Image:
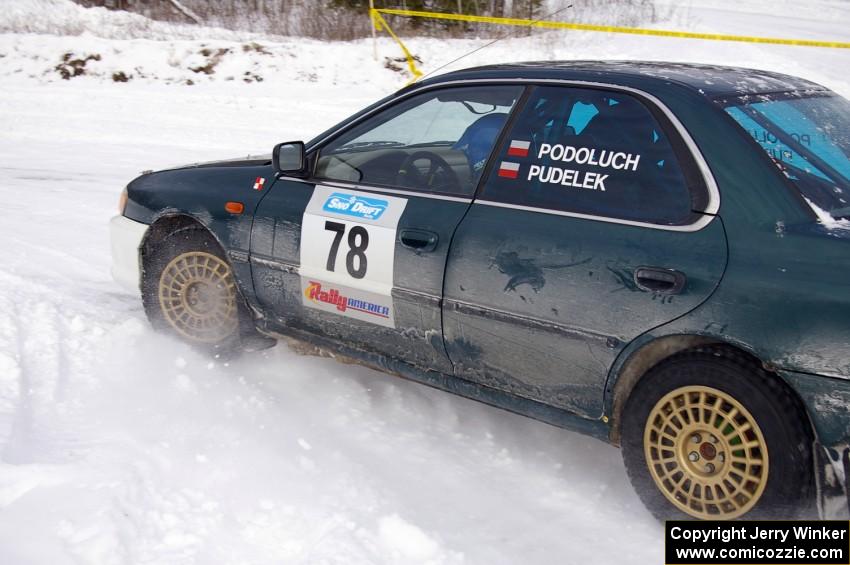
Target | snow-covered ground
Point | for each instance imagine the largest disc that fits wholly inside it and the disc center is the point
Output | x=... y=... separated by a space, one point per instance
x=118 y=445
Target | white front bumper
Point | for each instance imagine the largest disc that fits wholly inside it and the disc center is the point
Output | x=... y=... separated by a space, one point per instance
x=126 y=239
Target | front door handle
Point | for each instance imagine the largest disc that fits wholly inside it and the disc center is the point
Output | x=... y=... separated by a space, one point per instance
x=421 y=241
x=660 y=280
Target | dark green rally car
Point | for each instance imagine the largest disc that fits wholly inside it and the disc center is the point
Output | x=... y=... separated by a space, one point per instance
x=652 y=254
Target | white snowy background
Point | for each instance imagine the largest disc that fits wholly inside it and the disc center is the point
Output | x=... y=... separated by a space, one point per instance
x=118 y=445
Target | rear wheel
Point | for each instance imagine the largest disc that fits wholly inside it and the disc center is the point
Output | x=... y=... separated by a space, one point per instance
x=189 y=290
x=710 y=435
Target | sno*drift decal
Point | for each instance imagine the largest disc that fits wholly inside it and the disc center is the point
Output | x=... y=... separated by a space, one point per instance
x=355 y=206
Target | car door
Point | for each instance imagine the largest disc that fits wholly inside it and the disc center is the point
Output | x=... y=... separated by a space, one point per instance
x=357 y=252
x=593 y=226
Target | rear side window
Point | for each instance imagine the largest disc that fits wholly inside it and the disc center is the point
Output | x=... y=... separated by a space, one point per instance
x=592 y=152
x=808 y=138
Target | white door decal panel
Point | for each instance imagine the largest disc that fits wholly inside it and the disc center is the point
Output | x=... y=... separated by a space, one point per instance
x=347 y=253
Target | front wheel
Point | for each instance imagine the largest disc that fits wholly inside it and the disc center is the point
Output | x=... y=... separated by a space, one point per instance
x=711 y=435
x=189 y=290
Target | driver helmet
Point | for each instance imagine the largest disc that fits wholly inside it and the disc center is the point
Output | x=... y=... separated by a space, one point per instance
x=477 y=141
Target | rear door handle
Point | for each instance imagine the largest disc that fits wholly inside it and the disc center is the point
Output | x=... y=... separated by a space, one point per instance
x=421 y=241
x=660 y=280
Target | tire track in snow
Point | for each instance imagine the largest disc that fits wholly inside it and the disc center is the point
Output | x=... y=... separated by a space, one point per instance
x=16 y=386
x=47 y=341
x=43 y=372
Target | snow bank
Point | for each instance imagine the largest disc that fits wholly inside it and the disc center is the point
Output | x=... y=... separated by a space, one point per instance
x=49 y=58
x=56 y=39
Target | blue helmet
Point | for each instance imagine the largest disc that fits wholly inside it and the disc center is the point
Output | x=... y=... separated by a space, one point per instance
x=477 y=141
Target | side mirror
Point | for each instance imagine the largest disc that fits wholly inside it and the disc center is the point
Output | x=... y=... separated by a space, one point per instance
x=289 y=158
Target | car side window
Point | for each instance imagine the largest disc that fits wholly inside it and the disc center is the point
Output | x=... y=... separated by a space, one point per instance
x=595 y=152
x=807 y=137
x=435 y=142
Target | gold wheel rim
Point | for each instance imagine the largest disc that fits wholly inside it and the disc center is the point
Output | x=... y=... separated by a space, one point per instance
x=197 y=295
x=706 y=453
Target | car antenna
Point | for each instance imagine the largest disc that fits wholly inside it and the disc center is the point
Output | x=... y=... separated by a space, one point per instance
x=498 y=39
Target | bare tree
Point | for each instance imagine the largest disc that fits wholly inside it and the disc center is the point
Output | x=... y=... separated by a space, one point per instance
x=347 y=19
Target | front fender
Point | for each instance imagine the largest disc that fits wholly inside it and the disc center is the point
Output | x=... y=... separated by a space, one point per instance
x=201 y=193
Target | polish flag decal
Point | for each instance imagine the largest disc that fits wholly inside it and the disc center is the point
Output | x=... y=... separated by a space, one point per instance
x=509 y=170
x=258 y=183
x=519 y=148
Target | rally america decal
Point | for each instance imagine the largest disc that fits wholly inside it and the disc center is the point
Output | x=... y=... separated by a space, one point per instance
x=546 y=172
x=354 y=303
x=347 y=253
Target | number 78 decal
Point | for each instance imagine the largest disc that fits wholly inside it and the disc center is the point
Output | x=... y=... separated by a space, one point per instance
x=358 y=241
x=348 y=241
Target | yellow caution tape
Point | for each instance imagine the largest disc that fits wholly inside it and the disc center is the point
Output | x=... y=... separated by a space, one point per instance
x=376 y=18
x=381 y=24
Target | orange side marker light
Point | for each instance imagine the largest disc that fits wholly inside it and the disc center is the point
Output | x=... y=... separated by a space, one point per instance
x=234 y=207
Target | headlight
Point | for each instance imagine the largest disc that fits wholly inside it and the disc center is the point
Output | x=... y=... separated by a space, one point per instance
x=122 y=202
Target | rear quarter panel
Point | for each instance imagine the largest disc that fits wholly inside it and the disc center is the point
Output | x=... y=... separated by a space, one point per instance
x=784 y=295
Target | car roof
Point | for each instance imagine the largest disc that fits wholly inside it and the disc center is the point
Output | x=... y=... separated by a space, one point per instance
x=708 y=80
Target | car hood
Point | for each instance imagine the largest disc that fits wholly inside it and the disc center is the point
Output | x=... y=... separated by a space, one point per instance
x=247 y=161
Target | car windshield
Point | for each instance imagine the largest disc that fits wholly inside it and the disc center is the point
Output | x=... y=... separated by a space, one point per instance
x=808 y=137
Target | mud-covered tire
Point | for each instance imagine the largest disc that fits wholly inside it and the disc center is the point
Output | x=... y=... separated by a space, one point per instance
x=742 y=412
x=189 y=290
